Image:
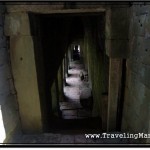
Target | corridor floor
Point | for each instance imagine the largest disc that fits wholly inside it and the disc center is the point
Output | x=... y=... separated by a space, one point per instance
x=76 y=91
x=76 y=119
x=61 y=139
x=76 y=114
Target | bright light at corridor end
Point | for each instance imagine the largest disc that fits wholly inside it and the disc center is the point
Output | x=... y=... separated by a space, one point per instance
x=2 y=129
x=79 y=48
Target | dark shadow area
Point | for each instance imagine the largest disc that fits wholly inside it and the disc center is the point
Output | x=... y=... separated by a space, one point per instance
x=76 y=125
x=54 y=34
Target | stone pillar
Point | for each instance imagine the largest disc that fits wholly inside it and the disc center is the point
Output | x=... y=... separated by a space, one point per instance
x=116 y=43
x=69 y=55
x=115 y=72
x=54 y=98
x=104 y=112
x=60 y=83
x=9 y=116
x=17 y=27
x=66 y=64
x=72 y=47
x=64 y=77
x=116 y=32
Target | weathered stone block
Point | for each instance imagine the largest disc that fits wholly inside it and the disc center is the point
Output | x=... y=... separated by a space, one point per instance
x=131 y=26
x=114 y=87
x=1 y=31
x=2 y=8
x=3 y=56
x=124 y=127
x=3 y=42
x=119 y=5
x=1 y=20
x=147 y=26
x=131 y=117
x=16 y=24
x=60 y=83
x=54 y=97
x=127 y=101
x=138 y=96
x=136 y=104
x=141 y=70
x=9 y=109
x=139 y=25
x=4 y=86
x=119 y=23
x=117 y=48
x=10 y=115
x=144 y=75
x=25 y=79
x=108 y=47
x=146 y=52
x=104 y=112
x=137 y=48
x=142 y=8
x=134 y=124
x=87 y=5
x=108 y=24
x=136 y=87
x=11 y=86
x=44 y=8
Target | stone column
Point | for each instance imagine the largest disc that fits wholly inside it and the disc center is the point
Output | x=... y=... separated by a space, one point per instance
x=66 y=65
x=116 y=43
x=54 y=98
x=60 y=83
x=17 y=27
x=64 y=73
x=115 y=73
x=69 y=55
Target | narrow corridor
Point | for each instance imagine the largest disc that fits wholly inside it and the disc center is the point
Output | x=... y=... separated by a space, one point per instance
x=77 y=93
x=76 y=109
x=73 y=68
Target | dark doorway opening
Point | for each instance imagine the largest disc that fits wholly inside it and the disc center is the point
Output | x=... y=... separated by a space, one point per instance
x=54 y=34
x=76 y=52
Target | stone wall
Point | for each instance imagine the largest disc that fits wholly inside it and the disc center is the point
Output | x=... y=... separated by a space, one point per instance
x=116 y=44
x=117 y=27
x=97 y=64
x=136 y=113
x=9 y=117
